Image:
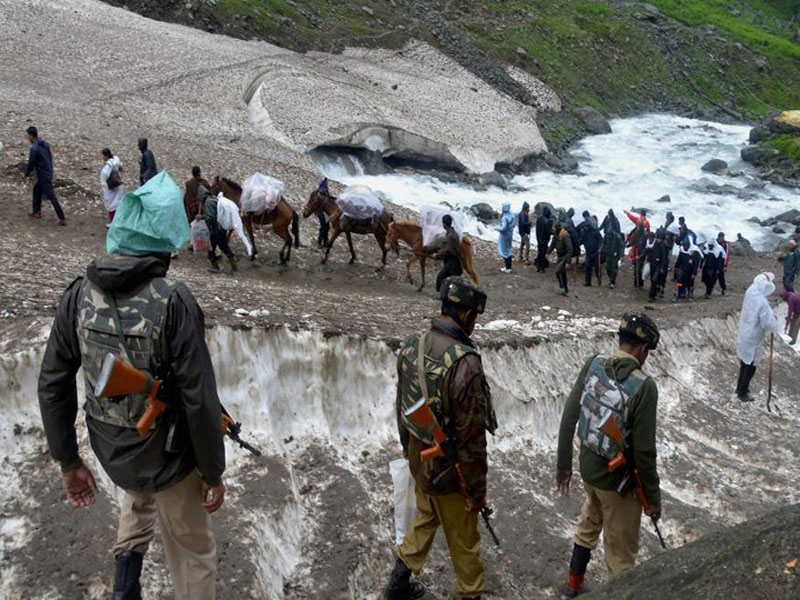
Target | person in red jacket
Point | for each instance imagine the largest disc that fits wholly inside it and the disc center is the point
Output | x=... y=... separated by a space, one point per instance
x=636 y=218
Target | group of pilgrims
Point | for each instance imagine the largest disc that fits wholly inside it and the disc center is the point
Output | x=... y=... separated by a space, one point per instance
x=652 y=253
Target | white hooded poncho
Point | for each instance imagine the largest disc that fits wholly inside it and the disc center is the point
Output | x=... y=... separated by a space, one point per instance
x=756 y=319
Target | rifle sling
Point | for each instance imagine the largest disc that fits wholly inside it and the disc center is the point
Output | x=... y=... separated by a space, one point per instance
x=112 y=303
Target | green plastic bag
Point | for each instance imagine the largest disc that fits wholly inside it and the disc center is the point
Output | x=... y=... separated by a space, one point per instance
x=150 y=220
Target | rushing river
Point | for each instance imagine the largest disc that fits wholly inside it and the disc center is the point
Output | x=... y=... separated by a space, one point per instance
x=643 y=159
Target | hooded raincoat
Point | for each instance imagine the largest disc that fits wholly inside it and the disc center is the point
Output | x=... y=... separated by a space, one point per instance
x=111 y=197
x=506 y=229
x=756 y=319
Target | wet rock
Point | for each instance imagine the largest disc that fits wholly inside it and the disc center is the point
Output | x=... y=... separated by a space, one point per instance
x=493 y=178
x=716 y=166
x=742 y=247
x=778 y=229
x=758 y=155
x=790 y=216
x=593 y=120
x=664 y=199
x=484 y=212
x=759 y=134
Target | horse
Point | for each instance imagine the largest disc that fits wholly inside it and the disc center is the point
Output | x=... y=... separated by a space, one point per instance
x=411 y=233
x=319 y=201
x=281 y=217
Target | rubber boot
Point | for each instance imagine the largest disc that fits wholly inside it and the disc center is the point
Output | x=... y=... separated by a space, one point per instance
x=400 y=588
x=234 y=264
x=126 y=577
x=577 y=571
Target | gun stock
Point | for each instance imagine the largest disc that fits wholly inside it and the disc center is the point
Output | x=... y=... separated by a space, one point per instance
x=422 y=416
x=612 y=430
x=118 y=378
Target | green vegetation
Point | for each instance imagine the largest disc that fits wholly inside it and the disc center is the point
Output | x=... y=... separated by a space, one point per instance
x=788 y=146
x=618 y=57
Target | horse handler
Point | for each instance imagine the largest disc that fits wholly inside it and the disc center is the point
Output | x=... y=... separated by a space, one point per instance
x=458 y=394
x=126 y=305
x=450 y=253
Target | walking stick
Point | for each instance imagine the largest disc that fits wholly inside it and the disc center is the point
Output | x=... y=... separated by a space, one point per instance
x=769 y=383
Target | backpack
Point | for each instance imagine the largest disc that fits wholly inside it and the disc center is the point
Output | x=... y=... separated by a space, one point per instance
x=114 y=180
x=605 y=398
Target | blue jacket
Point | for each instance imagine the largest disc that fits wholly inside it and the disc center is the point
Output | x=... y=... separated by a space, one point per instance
x=591 y=238
x=41 y=159
x=506 y=229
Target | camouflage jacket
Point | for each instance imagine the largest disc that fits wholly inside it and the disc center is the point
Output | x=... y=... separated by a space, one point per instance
x=133 y=462
x=641 y=422
x=466 y=411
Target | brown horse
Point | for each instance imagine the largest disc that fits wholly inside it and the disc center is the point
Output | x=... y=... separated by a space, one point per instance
x=281 y=218
x=411 y=233
x=322 y=202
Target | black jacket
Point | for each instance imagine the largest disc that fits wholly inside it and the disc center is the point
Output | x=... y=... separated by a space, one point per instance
x=133 y=462
x=147 y=165
x=544 y=229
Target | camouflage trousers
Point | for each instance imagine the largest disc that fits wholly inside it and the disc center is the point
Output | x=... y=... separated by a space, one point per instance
x=618 y=518
x=186 y=534
x=461 y=532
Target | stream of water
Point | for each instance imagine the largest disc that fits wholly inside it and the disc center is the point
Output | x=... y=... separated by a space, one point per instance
x=643 y=159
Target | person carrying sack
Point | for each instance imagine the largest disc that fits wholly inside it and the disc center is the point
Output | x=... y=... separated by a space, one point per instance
x=171 y=476
x=453 y=384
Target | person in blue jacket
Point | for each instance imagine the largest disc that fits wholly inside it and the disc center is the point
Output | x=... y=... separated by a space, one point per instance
x=505 y=242
x=40 y=159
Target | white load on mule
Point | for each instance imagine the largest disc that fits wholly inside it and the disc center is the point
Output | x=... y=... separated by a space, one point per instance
x=261 y=193
x=430 y=219
x=359 y=202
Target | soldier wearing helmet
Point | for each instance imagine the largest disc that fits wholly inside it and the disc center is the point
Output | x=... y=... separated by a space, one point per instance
x=612 y=387
x=456 y=390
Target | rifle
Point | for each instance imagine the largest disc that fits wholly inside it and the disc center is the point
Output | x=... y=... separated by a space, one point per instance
x=118 y=378
x=422 y=416
x=625 y=458
x=769 y=383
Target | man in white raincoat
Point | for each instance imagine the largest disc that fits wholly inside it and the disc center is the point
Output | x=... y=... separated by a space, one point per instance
x=111 y=196
x=756 y=319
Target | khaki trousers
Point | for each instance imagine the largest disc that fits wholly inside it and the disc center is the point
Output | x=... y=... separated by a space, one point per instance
x=461 y=532
x=189 y=545
x=618 y=517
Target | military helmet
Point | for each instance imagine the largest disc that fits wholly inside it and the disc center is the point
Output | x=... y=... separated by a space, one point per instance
x=460 y=292
x=642 y=328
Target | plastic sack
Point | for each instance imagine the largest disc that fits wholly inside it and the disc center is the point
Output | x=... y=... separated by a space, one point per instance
x=260 y=193
x=229 y=219
x=201 y=240
x=359 y=202
x=430 y=219
x=646 y=271
x=405 y=502
x=150 y=220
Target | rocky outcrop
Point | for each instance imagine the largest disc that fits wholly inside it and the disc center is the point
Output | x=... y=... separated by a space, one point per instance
x=716 y=166
x=775 y=150
x=593 y=120
x=755 y=559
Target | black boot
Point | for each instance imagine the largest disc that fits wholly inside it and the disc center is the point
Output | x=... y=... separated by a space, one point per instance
x=400 y=588
x=126 y=577
x=577 y=571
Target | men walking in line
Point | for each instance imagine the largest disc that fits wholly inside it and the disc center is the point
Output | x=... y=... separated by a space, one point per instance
x=755 y=320
x=450 y=253
x=612 y=388
x=191 y=195
x=125 y=305
x=216 y=234
x=791 y=266
x=544 y=229
x=40 y=159
x=147 y=164
x=442 y=368
x=562 y=244
x=524 y=226
x=613 y=249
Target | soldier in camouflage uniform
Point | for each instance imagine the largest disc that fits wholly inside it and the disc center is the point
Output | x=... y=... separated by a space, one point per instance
x=126 y=305
x=616 y=382
x=459 y=396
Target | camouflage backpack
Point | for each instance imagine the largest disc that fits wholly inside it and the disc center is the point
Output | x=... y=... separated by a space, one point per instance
x=141 y=318
x=605 y=398
x=435 y=372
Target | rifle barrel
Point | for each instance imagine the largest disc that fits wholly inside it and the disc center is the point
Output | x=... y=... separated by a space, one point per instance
x=658 y=533
x=485 y=514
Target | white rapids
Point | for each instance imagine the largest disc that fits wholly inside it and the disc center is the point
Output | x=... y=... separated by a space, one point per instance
x=643 y=159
